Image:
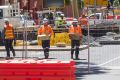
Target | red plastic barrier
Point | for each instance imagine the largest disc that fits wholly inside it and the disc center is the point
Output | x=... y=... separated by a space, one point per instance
x=38 y=78
x=118 y=17
x=110 y=17
x=36 y=70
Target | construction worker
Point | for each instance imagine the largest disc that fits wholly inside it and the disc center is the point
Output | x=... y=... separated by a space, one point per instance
x=47 y=30
x=75 y=42
x=83 y=21
x=8 y=37
x=60 y=21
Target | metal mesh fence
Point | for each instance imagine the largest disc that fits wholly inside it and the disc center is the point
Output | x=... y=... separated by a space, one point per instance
x=103 y=44
x=108 y=52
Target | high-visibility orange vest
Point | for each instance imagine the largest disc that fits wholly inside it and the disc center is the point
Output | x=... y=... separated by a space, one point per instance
x=9 y=34
x=76 y=30
x=45 y=30
x=83 y=21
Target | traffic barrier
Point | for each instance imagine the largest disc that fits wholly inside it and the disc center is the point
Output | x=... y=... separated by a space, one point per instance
x=118 y=17
x=110 y=17
x=36 y=70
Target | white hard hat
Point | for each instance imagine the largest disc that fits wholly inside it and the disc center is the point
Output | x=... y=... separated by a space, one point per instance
x=74 y=22
x=6 y=20
x=45 y=21
x=62 y=14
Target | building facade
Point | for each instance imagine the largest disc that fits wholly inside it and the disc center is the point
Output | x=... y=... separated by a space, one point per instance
x=2 y=2
x=35 y=5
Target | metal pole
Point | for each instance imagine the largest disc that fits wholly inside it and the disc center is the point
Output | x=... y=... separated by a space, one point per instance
x=26 y=40
x=23 y=52
x=88 y=40
x=95 y=3
x=88 y=47
x=18 y=8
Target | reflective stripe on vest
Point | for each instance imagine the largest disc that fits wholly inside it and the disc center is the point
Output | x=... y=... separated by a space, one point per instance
x=74 y=29
x=9 y=32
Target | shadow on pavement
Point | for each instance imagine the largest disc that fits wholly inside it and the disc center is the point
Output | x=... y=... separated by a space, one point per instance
x=82 y=70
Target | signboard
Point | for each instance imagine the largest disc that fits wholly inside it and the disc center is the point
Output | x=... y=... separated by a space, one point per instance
x=53 y=3
x=96 y=2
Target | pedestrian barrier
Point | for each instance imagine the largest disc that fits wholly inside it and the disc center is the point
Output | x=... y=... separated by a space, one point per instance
x=36 y=70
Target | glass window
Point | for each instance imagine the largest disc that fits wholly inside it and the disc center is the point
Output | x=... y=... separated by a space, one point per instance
x=1 y=13
x=97 y=16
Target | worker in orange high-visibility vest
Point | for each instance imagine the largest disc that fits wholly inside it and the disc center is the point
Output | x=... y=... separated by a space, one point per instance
x=46 y=30
x=75 y=42
x=8 y=35
x=83 y=21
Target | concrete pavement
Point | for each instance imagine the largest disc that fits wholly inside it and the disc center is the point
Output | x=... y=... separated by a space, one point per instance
x=39 y=48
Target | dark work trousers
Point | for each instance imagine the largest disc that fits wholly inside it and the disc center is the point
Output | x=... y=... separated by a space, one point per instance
x=9 y=47
x=75 y=47
x=46 y=46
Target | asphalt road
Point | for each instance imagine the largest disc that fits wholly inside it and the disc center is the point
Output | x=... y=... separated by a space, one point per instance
x=104 y=61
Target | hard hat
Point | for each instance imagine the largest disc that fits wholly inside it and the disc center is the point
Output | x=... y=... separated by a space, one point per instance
x=61 y=14
x=45 y=21
x=74 y=22
x=6 y=20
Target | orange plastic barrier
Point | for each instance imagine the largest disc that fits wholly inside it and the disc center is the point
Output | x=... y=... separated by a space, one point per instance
x=36 y=70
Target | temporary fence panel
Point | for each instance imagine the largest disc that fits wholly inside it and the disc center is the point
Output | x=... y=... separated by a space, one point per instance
x=104 y=45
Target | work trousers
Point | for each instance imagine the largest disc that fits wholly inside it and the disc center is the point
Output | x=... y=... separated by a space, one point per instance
x=46 y=46
x=9 y=47
x=75 y=47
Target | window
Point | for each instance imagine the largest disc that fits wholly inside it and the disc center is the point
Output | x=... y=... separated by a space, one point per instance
x=14 y=12
x=1 y=13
